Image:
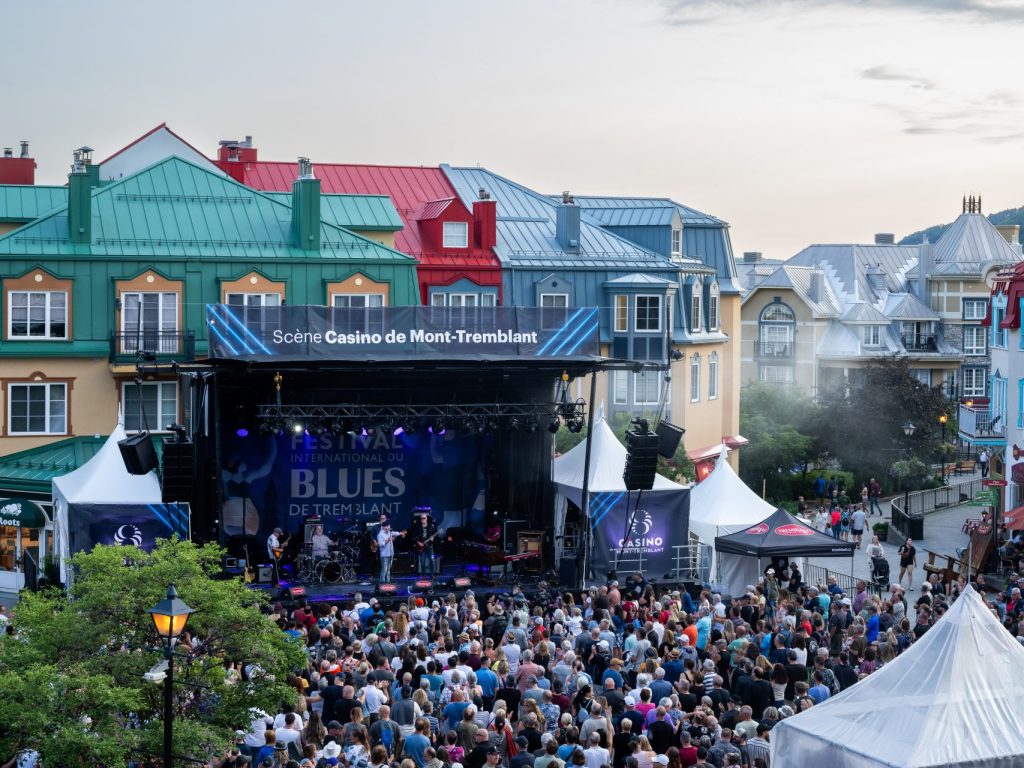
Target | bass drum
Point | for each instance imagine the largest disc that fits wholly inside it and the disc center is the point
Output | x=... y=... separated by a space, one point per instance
x=330 y=571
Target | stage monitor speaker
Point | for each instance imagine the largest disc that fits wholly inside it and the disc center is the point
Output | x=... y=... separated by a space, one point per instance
x=567 y=571
x=641 y=460
x=179 y=464
x=138 y=453
x=669 y=436
x=264 y=574
x=292 y=593
x=528 y=541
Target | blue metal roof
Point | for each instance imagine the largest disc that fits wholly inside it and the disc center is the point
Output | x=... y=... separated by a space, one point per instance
x=526 y=229
x=601 y=207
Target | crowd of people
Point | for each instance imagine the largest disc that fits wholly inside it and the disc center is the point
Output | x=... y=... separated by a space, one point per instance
x=623 y=676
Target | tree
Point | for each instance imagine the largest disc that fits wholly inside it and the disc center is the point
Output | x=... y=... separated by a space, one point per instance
x=71 y=676
x=861 y=425
x=775 y=421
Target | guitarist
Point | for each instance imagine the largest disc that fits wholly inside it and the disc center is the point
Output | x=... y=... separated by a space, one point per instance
x=423 y=534
x=275 y=549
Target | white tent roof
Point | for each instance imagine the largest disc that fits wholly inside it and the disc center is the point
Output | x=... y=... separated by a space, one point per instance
x=954 y=698
x=721 y=504
x=104 y=479
x=607 y=460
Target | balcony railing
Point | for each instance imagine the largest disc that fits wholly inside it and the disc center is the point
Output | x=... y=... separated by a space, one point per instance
x=126 y=348
x=979 y=424
x=774 y=350
x=920 y=343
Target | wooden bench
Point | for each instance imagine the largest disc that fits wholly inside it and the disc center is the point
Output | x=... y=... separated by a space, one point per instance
x=951 y=569
x=966 y=466
x=949 y=469
x=970 y=524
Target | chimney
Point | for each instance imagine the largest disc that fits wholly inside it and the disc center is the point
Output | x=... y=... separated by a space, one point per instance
x=306 y=207
x=232 y=155
x=17 y=170
x=876 y=279
x=80 y=198
x=924 y=267
x=752 y=257
x=1010 y=233
x=567 y=224
x=485 y=220
x=885 y=238
x=816 y=291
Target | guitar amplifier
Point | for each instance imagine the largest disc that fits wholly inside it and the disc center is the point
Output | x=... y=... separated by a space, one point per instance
x=264 y=574
x=531 y=542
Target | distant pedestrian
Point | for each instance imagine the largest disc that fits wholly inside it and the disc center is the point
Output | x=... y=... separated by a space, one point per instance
x=908 y=561
x=874 y=496
x=983 y=462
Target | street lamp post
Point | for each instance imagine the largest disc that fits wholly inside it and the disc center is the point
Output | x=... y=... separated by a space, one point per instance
x=169 y=617
x=943 y=418
x=908 y=430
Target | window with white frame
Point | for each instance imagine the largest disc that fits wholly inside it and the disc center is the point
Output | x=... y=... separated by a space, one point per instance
x=677 y=242
x=256 y=308
x=37 y=409
x=872 y=336
x=974 y=339
x=923 y=375
x=696 y=316
x=620 y=387
x=38 y=314
x=621 y=314
x=974 y=381
x=158 y=401
x=149 y=322
x=776 y=375
x=358 y=312
x=456 y=234
x=975 y=309
x=695 y=378
x=713 y=303
x=553 y=309
x=647 y=386
x=648 y=313
x=713 y=376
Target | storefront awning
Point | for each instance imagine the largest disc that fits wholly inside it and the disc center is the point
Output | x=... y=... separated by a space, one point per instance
x=21 y=513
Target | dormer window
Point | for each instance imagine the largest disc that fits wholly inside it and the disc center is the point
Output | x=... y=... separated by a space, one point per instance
x=872 y=336
x=456 y=234
x=713 y=302
x=696 y=317
x=677 y=243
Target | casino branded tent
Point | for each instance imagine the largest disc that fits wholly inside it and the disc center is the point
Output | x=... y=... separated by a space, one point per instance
x=953 y=698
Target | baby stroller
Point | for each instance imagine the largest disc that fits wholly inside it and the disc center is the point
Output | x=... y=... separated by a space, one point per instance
x=880 y=571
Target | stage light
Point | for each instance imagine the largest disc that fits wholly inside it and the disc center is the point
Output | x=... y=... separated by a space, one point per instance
x=423 y=584
x=297 y=428
x=278 y=430
x=399 y=431
x=532 y=426
x=554 y=426
x=461 y=582
x=492 y=425
x=576 y=426
x=387 y=589
x=242 y=432
x=513 y=424
x=266 y=429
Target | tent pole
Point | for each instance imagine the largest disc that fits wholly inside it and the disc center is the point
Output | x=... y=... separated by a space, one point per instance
x=584 y=569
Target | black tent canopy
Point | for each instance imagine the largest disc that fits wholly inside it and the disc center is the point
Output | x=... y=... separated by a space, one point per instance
x=782 y=535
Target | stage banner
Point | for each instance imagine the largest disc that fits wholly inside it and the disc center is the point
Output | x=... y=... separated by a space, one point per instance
x=650 y=536
x=301 y=333
x=138 y=525
x=349 y=480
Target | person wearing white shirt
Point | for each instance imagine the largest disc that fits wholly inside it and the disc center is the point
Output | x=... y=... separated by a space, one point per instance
x=511 y=653
x=386 y=548
x=373 y=698
x=256 y=737
x=596 y=755
x=290 y=732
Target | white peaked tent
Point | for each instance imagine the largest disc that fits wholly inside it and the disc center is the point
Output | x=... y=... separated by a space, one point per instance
x=607 y=461
x=721 y=504
x=103 y=479
x=954 y=698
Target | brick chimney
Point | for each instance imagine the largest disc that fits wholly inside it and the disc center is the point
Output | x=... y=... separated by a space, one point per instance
x=17 y=170
x=485 y=220
x=233 y=155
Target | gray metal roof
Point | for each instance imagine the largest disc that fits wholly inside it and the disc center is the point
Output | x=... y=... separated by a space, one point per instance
x=845 y=342
x=862 y=313
x=600 y=206
x=970 y=244
x=905 y=306
x=526 y=229
x=798 y=279
x=633 y=217
x=639 y=279
x=847 y=266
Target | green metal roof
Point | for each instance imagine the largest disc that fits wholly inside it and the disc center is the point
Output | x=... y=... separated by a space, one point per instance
x=31 y=471
x=176 y=208
x=26 y=203
x=369 y=213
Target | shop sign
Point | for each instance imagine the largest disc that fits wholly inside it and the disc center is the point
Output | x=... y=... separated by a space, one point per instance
x=21 y=513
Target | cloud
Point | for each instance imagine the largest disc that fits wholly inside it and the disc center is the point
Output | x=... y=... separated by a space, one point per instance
x=883 y=72
x=686 y=12
x=991 y=117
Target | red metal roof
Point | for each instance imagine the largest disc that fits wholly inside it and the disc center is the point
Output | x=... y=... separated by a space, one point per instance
x=411 y=188
x=433 y=209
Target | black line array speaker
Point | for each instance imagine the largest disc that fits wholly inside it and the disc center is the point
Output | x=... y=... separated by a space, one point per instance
x=641 y=460
x=138 y=453
x=669 y=436
x=179 y=462
x=567 y=576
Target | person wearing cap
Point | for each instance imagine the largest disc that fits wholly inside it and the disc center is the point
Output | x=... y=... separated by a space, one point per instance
x=632 y=714
x=274 y=547
x=331 y=751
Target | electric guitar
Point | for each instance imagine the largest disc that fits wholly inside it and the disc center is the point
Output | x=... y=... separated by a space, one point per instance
x=247 y=575
x=279 y=551
x=422 y=544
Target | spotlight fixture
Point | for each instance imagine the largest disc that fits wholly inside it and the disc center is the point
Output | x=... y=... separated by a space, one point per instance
x=576 y=426
x=554 y=426
x=513 y=424
x=266 y=429
x=532 y=426
x=242 y=432
x=297 y=428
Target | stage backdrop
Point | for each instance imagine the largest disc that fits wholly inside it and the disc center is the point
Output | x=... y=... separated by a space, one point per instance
x=137 y=525
x=650 y=537
x=350 y=479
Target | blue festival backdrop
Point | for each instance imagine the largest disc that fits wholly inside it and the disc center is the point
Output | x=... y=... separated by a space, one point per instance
x=279 y=481
x=644 y=531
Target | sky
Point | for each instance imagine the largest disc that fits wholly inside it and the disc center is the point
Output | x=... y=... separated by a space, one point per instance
x=798 y=122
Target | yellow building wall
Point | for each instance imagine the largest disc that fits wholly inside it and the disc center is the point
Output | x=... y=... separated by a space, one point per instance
x=384 y=238
x=92 y=397
x=808 y=336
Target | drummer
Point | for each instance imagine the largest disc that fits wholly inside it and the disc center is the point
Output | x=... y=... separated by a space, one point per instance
x=321 y=543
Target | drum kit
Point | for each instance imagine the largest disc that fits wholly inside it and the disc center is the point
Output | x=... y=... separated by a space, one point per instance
x=339 y=565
